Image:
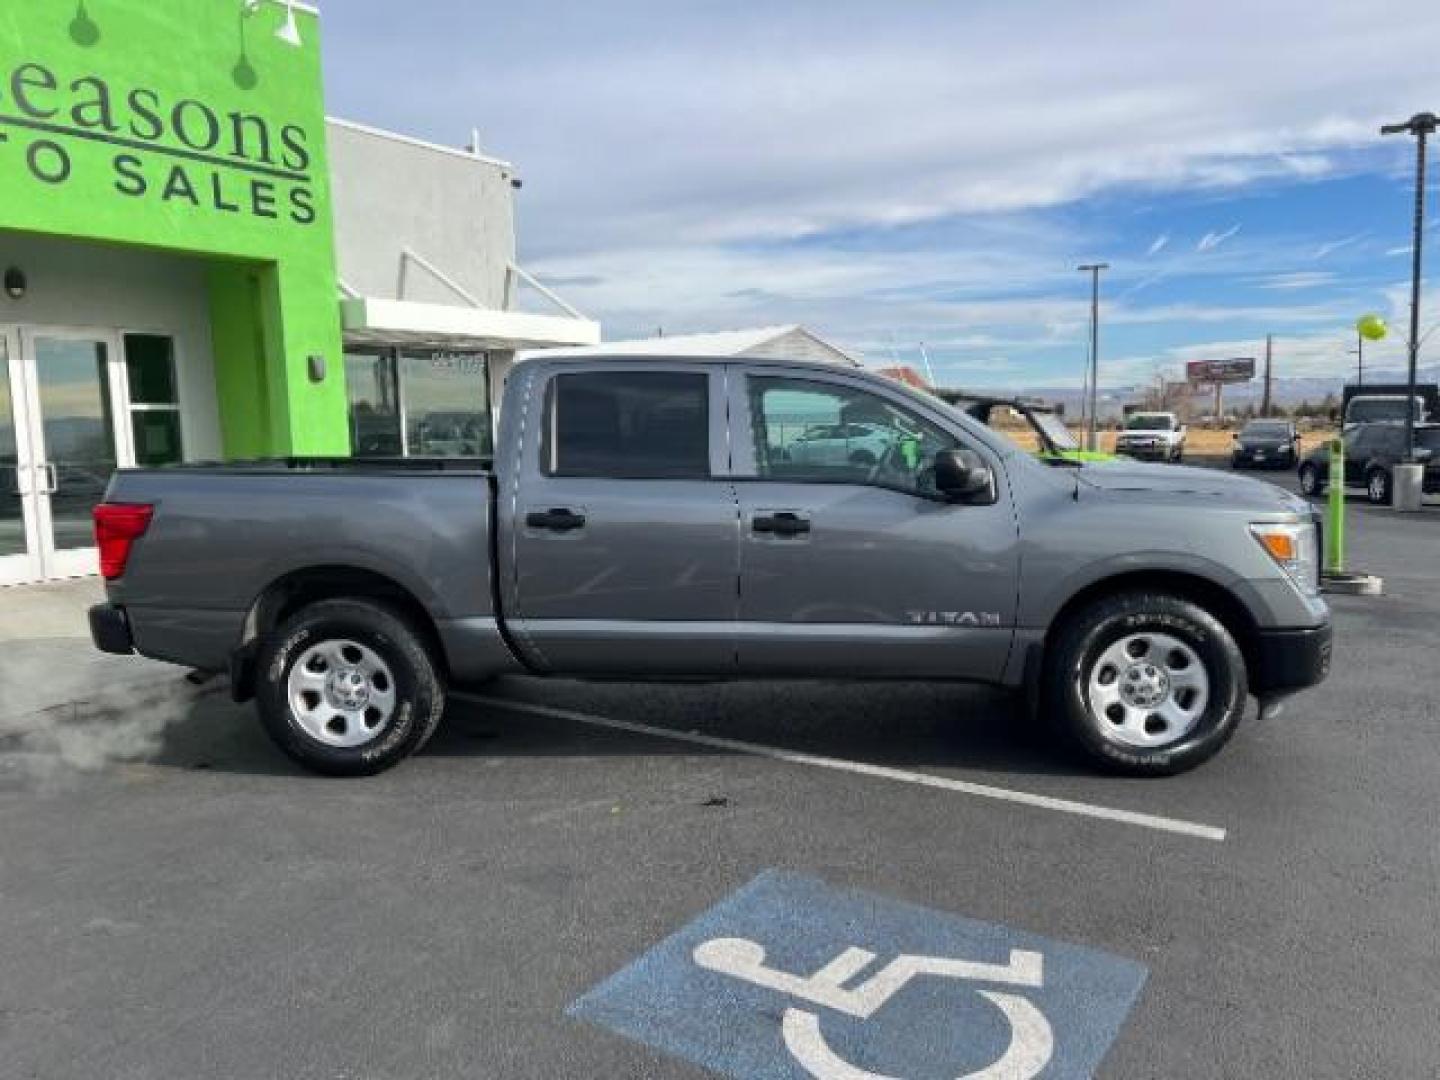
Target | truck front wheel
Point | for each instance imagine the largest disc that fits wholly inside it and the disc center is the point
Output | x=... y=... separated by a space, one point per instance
x=1145 y=683
x=347 y=687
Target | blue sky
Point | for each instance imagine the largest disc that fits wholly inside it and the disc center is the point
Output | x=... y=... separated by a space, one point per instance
x=905 y=172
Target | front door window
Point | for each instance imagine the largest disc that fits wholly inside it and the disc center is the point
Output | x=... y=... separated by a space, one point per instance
x=811 y=432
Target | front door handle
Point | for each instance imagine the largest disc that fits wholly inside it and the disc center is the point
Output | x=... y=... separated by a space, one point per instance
x=559 y=519
x=781 y=523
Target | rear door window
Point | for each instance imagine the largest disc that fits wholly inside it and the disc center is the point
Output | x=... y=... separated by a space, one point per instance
x=629 y=425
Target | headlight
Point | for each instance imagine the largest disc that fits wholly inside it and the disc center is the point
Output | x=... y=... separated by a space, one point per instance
x=1293 y=547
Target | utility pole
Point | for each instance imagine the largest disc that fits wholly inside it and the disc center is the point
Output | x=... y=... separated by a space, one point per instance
x=1265 y=403
x=1359 y=358
x=1422 y=126
x=1093 y=269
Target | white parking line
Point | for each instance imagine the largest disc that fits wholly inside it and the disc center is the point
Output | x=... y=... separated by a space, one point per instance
x=880 y=772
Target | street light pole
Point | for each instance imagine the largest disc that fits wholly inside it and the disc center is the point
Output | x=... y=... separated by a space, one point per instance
x=1359 y=358
x=1093 y=269
x=1422 y=126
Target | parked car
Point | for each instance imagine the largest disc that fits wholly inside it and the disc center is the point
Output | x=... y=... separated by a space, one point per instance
x=1371 y=453
x=1271 y=444
x=1153 y=435
x=839 y=444
x=644 y=520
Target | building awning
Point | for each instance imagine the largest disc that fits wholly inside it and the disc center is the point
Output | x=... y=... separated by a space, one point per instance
x=406 y=323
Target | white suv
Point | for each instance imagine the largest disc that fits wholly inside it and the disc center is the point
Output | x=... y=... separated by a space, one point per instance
x=1158 y=436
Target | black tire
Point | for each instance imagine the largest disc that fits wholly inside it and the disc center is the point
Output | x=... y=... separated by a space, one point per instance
x=1310 y=485
x=1379 y=486
x=418 y=693
x=1078 y=648
x=1179 y=455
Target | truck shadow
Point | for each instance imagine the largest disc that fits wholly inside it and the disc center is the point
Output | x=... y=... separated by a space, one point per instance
x=903 y=725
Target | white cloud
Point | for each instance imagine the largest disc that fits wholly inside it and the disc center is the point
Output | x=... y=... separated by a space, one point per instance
x=1335 y=245
x=1211 y=240
x=685 y=123
x=1300 y=279
x=1157 y=245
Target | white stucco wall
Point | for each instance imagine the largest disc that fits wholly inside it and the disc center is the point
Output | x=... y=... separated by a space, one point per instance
x=455 y=210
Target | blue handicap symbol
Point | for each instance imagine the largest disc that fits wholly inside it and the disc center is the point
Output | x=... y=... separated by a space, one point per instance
x=790 y=978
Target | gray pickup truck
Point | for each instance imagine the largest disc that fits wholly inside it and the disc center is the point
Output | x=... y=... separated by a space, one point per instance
x=652 y=519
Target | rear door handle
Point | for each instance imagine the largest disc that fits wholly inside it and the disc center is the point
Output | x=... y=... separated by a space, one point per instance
x=781 y=523
x=559 y=519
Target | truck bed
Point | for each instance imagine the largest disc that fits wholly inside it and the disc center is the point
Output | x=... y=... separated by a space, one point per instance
x=225 y=535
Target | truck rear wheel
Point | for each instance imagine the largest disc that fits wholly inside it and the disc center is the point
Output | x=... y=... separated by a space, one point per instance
x=348 y=688
x=1145 y=683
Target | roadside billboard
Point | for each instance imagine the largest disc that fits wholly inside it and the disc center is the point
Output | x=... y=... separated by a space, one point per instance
x=1237 y=370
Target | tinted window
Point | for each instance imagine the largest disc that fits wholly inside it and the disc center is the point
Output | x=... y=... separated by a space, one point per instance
x=824 y=433
x=630 y=425
x=1428 y=438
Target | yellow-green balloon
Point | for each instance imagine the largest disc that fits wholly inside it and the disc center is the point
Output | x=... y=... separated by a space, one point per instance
x=1371 y=327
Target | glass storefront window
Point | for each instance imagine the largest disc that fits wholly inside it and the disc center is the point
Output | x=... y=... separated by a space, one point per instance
x=374 y=405
x=418 y=404
x=447 y=407
x=154 y=399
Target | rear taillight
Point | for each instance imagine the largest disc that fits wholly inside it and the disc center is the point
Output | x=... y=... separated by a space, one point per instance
x=117 y=527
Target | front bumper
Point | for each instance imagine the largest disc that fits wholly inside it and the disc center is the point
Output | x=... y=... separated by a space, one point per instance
x=1289 y=660
x=1151 y=452
x=1281 y=458
x=110 y=630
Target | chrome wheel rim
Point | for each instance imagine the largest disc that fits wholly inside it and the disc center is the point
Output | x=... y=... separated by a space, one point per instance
x=1307 y=481
x=1377 y=487
x=341 y=693
x=1148 y=689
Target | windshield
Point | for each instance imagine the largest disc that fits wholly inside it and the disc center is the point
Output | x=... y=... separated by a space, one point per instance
x=1366 y=409
x=1267 y=431
x=1148 y=422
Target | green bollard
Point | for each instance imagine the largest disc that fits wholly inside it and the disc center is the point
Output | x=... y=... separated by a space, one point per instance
x=1335 y=527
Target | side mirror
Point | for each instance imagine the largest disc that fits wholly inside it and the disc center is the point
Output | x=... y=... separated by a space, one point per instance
x=962 y=476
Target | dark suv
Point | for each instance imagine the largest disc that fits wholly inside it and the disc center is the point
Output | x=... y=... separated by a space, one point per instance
x=1266 y=443
x=1371 y=453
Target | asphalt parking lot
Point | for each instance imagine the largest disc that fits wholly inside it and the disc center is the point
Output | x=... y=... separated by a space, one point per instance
x=191 y=905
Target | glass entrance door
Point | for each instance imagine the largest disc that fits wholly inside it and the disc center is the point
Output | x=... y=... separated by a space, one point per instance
x=19 y=544
x=68 y=445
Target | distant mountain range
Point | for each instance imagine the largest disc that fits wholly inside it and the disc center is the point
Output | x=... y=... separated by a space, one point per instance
x=1288 y=392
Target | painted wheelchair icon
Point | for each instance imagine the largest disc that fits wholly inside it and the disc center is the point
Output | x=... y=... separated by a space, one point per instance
x=1031 y=1041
